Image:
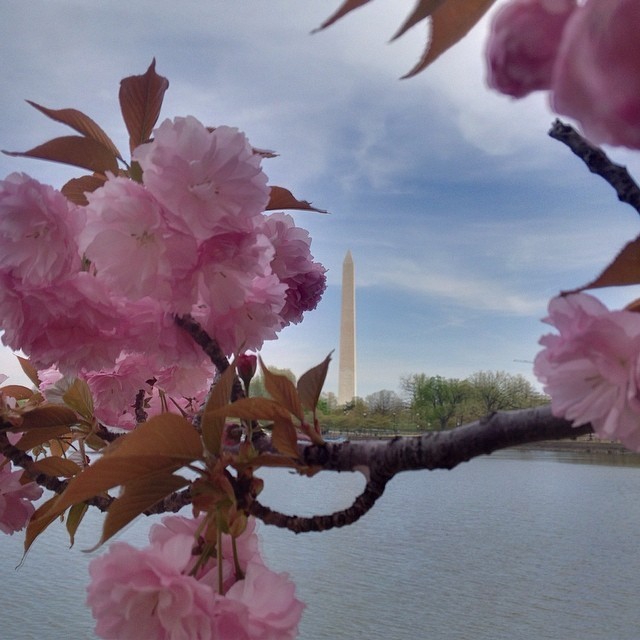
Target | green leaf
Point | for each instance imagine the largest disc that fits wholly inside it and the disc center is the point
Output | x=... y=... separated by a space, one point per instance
x=138 y=496
x=213 y=421
x=281 y=198
x=311 y=383
x=81 y=123
x=74 y=150
x=140 y=102
x=282 y=390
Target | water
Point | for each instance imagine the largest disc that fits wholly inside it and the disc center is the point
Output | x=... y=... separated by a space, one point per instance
x=519 y=546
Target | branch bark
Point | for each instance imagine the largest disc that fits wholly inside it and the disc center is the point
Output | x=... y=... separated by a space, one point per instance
x=378 y=460
x=381 y=460
x=599 y=163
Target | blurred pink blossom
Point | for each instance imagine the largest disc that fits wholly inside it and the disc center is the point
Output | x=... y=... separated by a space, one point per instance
x=134 y=591
x=587 y=55
x=15 y=498
x=597 y=73
x=209 y=181
x=273 y=611
x=71 y=324
x=591 y=368
x=134 y=250
x=38 y=232
x=523 y=44
x=294 y=265
x=152 y=589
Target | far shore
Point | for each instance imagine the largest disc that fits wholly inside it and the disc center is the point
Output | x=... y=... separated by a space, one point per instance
x=584 y=444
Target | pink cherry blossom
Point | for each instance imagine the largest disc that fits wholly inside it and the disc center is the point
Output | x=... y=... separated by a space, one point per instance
x=209 y=181
x=133 y=590
x=15 y=498
x=523 y=44
x=72 y=323
x=247 y=548
x=246 y=324
x=591 y=368
x=294 y=266
x=273 y=610
x=38 y=232
x=597 y=73
x=114 y=390
x=133 y=249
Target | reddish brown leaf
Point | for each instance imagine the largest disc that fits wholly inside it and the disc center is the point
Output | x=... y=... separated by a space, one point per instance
x=257 y=408
x=17 y=391
x=284 y=438
x=624 y=270
x=450 y=22
x=49 y=415
x=56 y=466
x=76 y=188
x=36 y=437
x=282 y=390
x=311 y=383
x=281 y=198
x=421 y=11
x=74 y=150
x=30 y=371
x=345 y=7
x=39 y=521
x=139 y=495
x=81 y=123
x=213 y=423
x=140 y=102
x=74 y=518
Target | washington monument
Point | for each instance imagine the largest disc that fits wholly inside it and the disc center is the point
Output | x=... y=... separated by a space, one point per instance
x=347 y=368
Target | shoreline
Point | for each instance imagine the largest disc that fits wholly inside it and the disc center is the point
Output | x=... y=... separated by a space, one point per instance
x=579 y=445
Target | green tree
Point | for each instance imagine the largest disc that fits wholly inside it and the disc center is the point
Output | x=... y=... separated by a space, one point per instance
x=498 y=391
x=435 y=399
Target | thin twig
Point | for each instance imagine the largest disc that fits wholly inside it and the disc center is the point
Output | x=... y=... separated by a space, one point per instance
x=599 y=163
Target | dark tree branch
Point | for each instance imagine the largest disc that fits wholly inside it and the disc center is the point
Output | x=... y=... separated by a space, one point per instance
x=378 y=460
x=598 y=162
x=437 y=450
x=211 y=349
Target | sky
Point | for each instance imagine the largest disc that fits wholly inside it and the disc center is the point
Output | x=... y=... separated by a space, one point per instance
x=463 y=217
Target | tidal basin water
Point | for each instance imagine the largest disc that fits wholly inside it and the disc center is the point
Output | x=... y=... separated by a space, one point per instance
x=515 y=546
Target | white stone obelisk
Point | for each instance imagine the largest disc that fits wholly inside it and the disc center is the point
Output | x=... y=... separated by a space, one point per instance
x=347 y=364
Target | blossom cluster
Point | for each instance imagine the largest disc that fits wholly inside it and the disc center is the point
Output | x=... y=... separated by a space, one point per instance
x=93 y=290
x=586 y=55
x=162 y=590
x=591 y=368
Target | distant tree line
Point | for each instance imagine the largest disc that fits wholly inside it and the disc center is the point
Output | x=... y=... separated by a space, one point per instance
x=425 y=402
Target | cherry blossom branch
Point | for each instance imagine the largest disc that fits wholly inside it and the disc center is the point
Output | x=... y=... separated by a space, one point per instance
x=211 y=349
x=380 y=460
x=599 y=163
